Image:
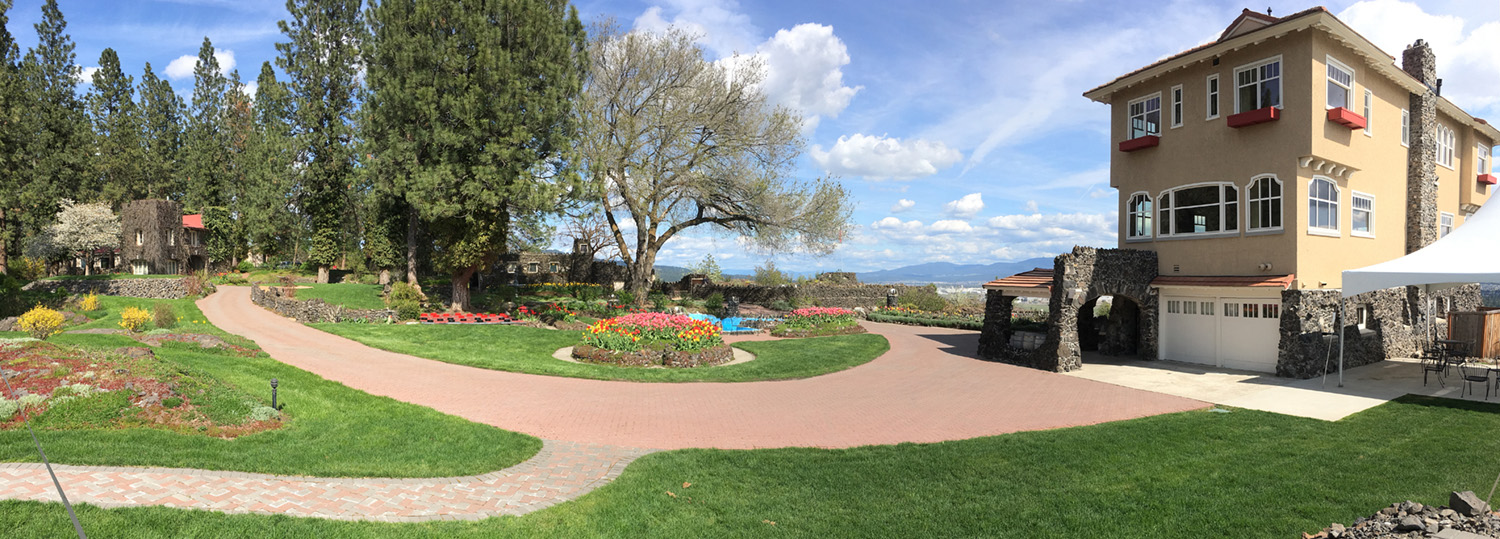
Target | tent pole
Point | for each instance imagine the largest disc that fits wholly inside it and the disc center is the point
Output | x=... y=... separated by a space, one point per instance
x=1340 y=328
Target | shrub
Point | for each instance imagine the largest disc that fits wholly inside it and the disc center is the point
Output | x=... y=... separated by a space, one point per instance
x=132 y=319
x=589 y=292
x=714 y=302
x=402 y=292
x=658 y=300
x=625 y=297
x=406 y=310
x=166 y=318
x=41 y=322
x=27 y=268
x=90 y=303
x=244 y=267
x=923 y=299
x=288 y=286
x=819 y=318
x=31 y=400
x=197 y=284
x=263 y=413
x=8 y=409
x=768 y=275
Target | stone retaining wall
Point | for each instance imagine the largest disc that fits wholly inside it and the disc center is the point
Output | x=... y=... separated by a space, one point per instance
x=130 y=288
x=313 y=310
x=1394 y=330
x=868 y=296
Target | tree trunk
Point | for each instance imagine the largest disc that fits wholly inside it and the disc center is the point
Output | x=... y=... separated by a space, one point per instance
x=385 y=276
x=411 y=247
x=88 y=264
x=639 y=280
x=4 y=246
x=461 y=289
x=322 y=274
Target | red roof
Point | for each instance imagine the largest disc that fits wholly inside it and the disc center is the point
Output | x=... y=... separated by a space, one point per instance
x=1282 y=281
x=193 y=221
x=1038 y=278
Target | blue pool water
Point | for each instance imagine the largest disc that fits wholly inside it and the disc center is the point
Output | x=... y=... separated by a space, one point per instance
x=727 y=325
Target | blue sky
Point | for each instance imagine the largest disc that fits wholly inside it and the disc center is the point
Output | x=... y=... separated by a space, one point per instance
x=958 y=126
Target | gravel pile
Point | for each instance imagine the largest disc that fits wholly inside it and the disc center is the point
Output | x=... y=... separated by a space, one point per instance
x=1465 y=517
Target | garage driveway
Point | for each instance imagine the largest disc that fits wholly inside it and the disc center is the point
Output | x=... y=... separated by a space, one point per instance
x=1364 y=387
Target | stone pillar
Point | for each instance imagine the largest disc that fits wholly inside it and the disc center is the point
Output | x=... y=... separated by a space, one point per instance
x=995 y=335
x=1421 y=170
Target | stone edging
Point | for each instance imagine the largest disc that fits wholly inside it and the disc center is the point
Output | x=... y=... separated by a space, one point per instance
x=561 y=471
x=313 y=310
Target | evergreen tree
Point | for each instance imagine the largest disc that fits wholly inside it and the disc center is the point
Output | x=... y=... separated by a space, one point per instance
x=240 y=140
x=12 y=134
x=205 y=157
x=322 y=62
x=116 y=176
x=271 y=227
x=57 y=131
x=471 y=117
x=160 y=113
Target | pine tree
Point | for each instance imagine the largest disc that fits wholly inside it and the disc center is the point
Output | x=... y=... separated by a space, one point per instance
x=57 y=130
x=205 y=151
x=268 y=220
x=11 y=137
x=160 y=113
x=472 y=117
x=322 y=62
x=116 y=176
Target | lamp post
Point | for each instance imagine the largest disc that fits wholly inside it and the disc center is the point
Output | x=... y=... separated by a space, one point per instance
x=273 y=395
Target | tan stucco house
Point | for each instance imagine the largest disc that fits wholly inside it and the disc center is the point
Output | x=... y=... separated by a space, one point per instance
x=1251 y=171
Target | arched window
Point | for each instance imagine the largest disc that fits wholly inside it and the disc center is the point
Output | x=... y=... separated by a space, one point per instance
x=1138 y=216
x=1264 y=198
x=1204 y=208
x=1322 y=206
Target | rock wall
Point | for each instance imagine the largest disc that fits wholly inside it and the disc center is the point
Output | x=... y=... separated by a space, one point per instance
x=313 y=310
x=849 y=296
x=130 y=288
x=1395 y=327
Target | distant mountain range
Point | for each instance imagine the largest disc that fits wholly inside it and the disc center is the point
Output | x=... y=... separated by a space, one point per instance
x=952 y=274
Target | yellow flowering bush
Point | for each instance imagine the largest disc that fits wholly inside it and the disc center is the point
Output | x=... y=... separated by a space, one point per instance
x=90 y=303
x=134 y=318
x=41 y=322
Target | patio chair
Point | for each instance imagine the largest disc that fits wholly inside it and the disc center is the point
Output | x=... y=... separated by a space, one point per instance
x=1435 y=364
x=1475 y=374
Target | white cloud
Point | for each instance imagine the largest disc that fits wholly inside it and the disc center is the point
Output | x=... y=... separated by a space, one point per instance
x=880 y=157
x=1031 y=206
x=719 y=25
x=805 y=71
x=1467 y=62
x=249 y=88
x=902 y=205
x=965 y=207
x=892 y=223
x=1080 y=228
x=182 y=67
x=951 y=226
x=86 y=74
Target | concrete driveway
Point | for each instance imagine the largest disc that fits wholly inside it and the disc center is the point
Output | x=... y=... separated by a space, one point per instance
x=1364 y=387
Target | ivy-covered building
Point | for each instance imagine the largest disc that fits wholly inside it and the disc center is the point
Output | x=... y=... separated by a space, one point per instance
x=156 y=238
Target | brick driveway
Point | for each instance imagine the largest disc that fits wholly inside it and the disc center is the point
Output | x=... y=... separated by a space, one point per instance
x=928 y=388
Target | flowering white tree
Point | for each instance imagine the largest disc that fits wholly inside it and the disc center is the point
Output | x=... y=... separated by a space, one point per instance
x=82 y=229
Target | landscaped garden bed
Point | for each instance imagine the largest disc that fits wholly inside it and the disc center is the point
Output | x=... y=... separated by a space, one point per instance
x=817 y=322
x=917 y=317
x=653 y=339
x=62 y=388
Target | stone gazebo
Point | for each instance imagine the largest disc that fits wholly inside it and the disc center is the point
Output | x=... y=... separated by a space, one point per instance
x=1073 y=287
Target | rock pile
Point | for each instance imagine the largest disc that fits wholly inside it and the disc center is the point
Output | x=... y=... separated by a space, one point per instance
x=1465 y=517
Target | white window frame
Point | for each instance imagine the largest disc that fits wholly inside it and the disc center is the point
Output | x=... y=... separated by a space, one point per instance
x=1313 y=228
x=1335 y=65
x=1130 y=118
x=1223 y=222
x=140 y=237
x=1131 y=215
x=171 y=238
x=1369 y=112
x=552 y=267
x=1445 y=224
x=1280 y=97
x=1446 y=139
x=1354 y=198
x=1211 y=87
x=1481 y=159
x=1177 y=111
x=1406 y=128
x=1252 y=198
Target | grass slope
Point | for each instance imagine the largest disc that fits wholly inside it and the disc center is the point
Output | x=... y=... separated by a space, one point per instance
x=529 y=350
x=351 y=295
x=335 y=431
x=1243 y=474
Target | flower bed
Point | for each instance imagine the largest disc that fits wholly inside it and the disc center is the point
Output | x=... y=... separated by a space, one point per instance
x=915 y=317
x=653 y=339
x=817 y=322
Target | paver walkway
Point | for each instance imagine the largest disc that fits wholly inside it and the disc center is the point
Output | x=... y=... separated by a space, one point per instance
x=928 y=388
x=559 y=472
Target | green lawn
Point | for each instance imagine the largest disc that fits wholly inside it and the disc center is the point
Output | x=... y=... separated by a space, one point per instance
x=333 y=430
x=1243 y=474
x=529 y=350
x=351 y=295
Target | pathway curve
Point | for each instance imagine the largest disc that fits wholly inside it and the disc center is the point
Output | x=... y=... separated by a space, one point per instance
x=561 y=471
x=927 y=388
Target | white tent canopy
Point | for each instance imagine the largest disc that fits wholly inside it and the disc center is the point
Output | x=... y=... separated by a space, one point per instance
x=1469 y=254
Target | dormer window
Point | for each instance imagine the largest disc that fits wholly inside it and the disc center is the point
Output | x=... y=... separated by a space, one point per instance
x=1258 y=85
x=1145 y=116
x=1340 y=84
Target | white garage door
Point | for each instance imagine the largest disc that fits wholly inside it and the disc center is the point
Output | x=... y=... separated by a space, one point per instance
x=1233 y=333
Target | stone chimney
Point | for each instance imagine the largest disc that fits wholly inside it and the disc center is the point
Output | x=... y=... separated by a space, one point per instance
x=1421 y=170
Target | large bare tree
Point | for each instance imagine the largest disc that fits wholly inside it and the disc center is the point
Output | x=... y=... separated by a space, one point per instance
x=672 y=142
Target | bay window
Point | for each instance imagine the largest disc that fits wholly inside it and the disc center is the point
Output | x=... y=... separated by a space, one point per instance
x=1145 y=116
x=1199 y=209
